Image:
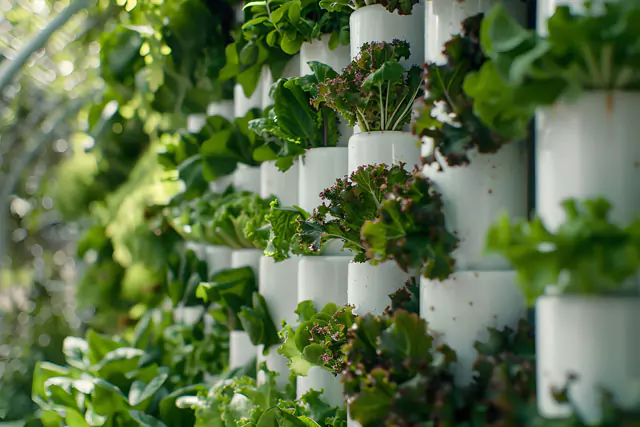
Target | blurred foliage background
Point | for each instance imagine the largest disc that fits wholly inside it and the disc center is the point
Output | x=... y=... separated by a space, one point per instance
x=81 y=123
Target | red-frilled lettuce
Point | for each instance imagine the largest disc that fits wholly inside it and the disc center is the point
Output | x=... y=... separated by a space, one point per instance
x=293 y=125
x=410 y=229
x=375 y=91
x=447 y=117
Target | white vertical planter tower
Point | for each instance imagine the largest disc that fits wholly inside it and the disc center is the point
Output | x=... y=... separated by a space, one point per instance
x=338 y=59
x=376 y=23
x=322 y=279
x=595 y=338
x=247 y=178
x=482 y=292
x=283 y=185
x=241 y=350
x=444 y=18
x=585 y=150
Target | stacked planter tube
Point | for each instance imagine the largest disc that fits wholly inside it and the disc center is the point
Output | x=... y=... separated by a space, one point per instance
x=482 y=290
x=292 y=69
x=338 y=59
x=584 y=150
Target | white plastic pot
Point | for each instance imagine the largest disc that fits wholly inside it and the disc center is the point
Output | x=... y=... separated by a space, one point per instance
x=321 y=379
x=221 y=108
x=276 y=363
x=476 y=195
x=376 y=23
x=241 y=351
x=247 y=178
x=319 y=170
x=589 y=149
x=318 y=50
x=279 y=287
x=221 y=184
x=283 y=185
x=198 y=249
x=242 y=104
x=195 y=122
x=266 y=80
x=246 y=258
x=388 y=147
x=463 y=306
x=323 y=279
x=369 y=286
x=546 y=8
x=218 y=258
x=444 y=19
x=595 y=338
x=187 y=315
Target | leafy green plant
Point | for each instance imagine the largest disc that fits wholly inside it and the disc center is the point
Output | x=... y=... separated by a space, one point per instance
x=253 y=48
x=318 y=339
x=586 y=52
x=293 y=125
x=411 y=230
x=406 y=298
x=586 y=255
x=284 y=226
x=382 y=213
x=294 y=22
x=125 y=383
x=375 y=91
x=447 y=118
x=403 y=7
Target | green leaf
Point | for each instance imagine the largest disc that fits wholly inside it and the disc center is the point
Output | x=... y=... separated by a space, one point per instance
x=146 y=420
x=258 y=323
x=140 y=392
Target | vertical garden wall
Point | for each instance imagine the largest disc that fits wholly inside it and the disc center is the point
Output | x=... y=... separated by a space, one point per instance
x=317 y=213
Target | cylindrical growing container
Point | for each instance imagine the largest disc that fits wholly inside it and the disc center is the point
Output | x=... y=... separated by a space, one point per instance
x=463 y=306
x=187 y=315
x=369 y=286
x=247 y=258
x=198 y=249
x=388 y=147
x=476 y=195
x=283 y=185
x=195 y=122
x=221 y=184
x=376 y=23
x=218 y=258
x=318 y=50
x=247 y=178
x=242 y=104
x=589 y=149
x=221 y=108
x=275 y=363
x=241 y=351
x=595 y=338
x=546 y=8
x=323 y=279
x=266 y=80
x=319 y=170
x=444 y=19
x=321 y=379
x=279 y=287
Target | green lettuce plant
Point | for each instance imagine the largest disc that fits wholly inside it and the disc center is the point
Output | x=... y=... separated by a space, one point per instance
x=381 y=213
x=253 y=48
x=293 y=124
x=318 y=339
x=583 y=52
x=410 y=229
x=284 y=225
x=403 y=7
x=587 y=254
x=294 y=22
x=375 y=91
x=447 y=118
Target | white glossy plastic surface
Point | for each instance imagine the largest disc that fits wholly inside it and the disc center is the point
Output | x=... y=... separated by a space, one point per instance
x=368 y=148
x=276 y=363
x=283 y=185
x=241 y=351
x=589 y=149
x=279 y=287
x=221 y=108
x=321 y=379
x=247 y=258
x=242 y=104
x=323 y=279
x=376 y=23
x=596 y=338
x=476 y=195
x=318 y=50
x=247 y=178
x=218 y=258
x=221 y=184
x=319 y=170
x=546 y=8
x=444 y=19
x=369 y=286
x=463 y=306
